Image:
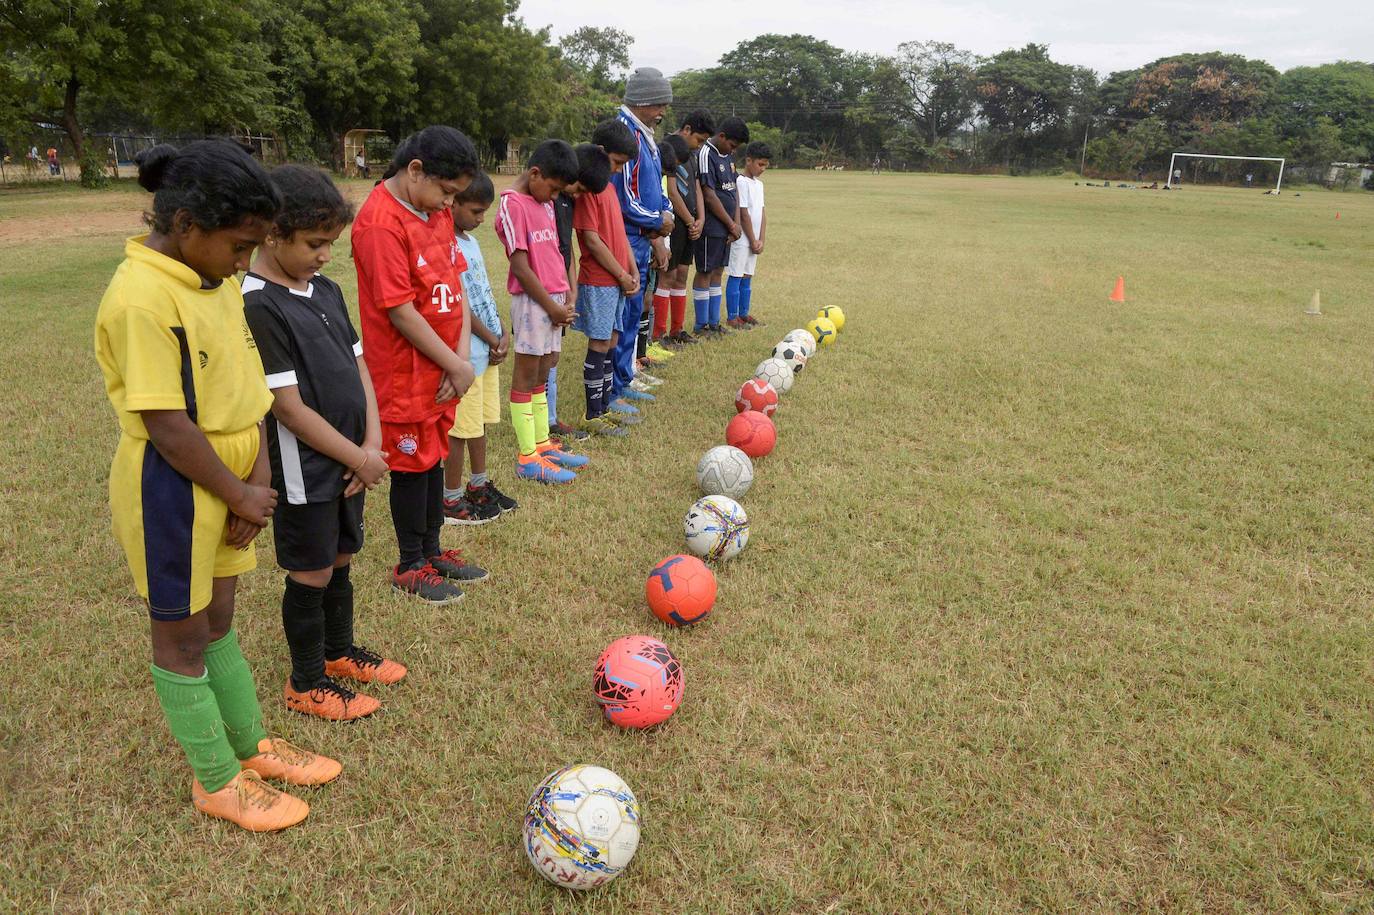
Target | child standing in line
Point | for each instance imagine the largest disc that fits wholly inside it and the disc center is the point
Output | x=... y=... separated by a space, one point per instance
x=716 y=164
x=746 y=249
x=481 y=501
x=324 y=441
x=684 y=193
x=563 y=204
x=606 y=276
x=416 y=343
x=189 y=486
x=538 y=284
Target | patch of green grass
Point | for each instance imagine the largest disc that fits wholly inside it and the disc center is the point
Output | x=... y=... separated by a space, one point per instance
x=1049 y=603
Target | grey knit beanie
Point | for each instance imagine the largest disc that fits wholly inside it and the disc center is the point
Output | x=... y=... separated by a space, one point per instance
x=647 y=86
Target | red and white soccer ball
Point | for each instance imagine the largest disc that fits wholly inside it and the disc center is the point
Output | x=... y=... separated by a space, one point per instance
x=751 y=432
x=757 y=394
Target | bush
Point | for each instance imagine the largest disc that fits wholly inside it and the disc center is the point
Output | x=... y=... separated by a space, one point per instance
x=94 y=167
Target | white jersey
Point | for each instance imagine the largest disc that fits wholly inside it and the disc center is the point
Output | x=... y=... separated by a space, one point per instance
x=751 y=198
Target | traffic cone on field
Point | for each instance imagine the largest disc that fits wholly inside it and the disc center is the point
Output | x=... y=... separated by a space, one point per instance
x=1119 y=293
x=1315 y=306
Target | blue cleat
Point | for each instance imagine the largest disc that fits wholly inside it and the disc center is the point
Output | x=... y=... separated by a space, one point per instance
x=623 y=406
x=565 y=459
x=638 y=396
x=542 y=471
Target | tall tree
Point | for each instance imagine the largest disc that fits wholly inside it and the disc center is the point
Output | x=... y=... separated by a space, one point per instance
x=1026 y=95
x=938 y=83
x=1342 y=92
x=793 y=79
x=601 y=54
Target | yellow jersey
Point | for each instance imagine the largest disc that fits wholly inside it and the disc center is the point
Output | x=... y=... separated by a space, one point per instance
x=165 y=343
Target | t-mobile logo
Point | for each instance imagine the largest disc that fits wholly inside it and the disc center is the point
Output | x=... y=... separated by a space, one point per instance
x=443 y=297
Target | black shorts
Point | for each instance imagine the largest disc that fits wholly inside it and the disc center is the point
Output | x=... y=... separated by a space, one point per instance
x=712 y=253
x=679 y=247
x=310 y=537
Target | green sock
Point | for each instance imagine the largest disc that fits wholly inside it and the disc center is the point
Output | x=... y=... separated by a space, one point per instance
x=539 y=401
x=193 y=716
x=232 y=682
x=522 y=420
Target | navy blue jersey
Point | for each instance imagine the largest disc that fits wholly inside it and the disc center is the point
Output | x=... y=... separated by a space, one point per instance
x=718 y=173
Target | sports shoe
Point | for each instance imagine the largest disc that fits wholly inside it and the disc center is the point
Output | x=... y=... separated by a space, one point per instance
x=751 y=321
x=250 y=802
x=624 y=408
x=330 y=700
x=365 y=667
x=541 y=471
x=657 y=350
x=425 y=583
x=640 y=385
x=687 y=338
x=721 y=330
x=565 y=431
x=489 y=493
x=565 y=459
x=672 y=343
x=640 y=396
x=286 y=762
x=600 y=425
x=463 y=510
x=451 y=565
x=652 y=381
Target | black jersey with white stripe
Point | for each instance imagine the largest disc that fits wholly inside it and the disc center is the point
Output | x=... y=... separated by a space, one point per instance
x=307 y=340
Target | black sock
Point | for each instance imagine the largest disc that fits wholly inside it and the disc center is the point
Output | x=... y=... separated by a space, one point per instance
x=302 y=617
x=592 y=379
x=410 y=515
x=338 y=614
x=434 y=510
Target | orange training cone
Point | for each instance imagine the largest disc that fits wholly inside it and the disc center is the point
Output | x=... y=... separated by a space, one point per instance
x=1119 y=293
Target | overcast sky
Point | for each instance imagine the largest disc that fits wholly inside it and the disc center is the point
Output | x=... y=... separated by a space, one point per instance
x=1106 y=37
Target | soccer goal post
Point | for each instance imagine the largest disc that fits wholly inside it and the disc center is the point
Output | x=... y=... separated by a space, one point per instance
x=1169 y=182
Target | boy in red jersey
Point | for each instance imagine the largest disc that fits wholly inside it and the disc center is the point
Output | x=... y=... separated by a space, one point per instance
x=416 y=341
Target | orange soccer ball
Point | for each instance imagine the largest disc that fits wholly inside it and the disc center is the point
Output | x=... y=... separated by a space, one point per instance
x=638 y=682
x=757 y=394
x=681 y=590
x=751 y=432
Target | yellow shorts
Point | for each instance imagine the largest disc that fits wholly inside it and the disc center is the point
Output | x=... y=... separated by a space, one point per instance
x=171 y=529
x=480 y=406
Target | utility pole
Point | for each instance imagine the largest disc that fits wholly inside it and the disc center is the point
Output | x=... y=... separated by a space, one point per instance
x=1082 y=160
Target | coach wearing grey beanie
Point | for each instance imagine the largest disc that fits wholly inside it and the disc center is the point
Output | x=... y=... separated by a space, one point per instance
x=647 y=87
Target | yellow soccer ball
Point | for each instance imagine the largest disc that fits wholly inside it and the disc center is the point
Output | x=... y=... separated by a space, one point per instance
x=823 y=329
x=835 y=314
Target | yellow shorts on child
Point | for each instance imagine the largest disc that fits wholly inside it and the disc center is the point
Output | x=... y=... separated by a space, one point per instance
x=173 y=530
x=480 y=406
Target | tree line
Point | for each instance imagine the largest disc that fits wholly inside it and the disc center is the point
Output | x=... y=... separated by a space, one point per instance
x=310 y=71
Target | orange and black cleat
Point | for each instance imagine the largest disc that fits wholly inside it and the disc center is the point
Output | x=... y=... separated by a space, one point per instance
x=365 y=667
x=327 y=699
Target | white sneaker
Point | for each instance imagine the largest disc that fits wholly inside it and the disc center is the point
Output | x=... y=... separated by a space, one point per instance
x=651 y=380
x=640 y=385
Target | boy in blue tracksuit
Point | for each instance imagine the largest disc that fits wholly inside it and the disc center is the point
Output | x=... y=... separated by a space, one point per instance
x=647 y=214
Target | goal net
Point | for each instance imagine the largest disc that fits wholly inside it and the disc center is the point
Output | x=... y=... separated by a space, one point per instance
x=1251 y=176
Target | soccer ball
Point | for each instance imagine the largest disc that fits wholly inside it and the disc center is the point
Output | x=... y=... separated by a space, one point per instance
x=752 y=433
x=823 y=330
x=638 y=682
x=725 y=471
x=775 y=372
x=581 y=827
x=757 y=394
x=802 y=336
x=792 y=354
x=681 y=590
x=717 y=528
x=836 y=315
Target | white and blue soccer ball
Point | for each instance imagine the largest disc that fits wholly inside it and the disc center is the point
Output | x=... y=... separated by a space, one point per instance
x=717 y=528
x=725 y=471
x=581 y=827
x=776 y=372
x=790 y=351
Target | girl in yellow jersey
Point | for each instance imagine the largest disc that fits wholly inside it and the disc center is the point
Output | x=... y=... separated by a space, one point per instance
x=189 y=484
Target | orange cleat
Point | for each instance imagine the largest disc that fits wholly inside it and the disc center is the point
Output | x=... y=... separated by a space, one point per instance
x=365 y=667
x=327 y=699
x=250 y=802
x=288 y=763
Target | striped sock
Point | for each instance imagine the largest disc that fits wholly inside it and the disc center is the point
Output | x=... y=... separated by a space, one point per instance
x=679 y=307
x=701 y=301
x=592 y=380
x=713 y=308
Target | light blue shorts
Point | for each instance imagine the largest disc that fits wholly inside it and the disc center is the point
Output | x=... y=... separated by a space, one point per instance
x=599 y=309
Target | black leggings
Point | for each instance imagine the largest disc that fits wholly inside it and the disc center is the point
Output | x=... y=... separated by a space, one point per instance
x=417 y=512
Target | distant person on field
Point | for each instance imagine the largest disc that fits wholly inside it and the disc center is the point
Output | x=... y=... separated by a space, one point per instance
x=360 y=160
x=538 y=285
x=745 y=250
x=31 y=160
x=325 y=444
x=1178 y=176
x=716 y=164
x=697 y=127
x=416 y=340
x=190 y=483
x=54 y=164
x=877 y=165
x=1249 y=179
x=480 y=501
x=607 y=274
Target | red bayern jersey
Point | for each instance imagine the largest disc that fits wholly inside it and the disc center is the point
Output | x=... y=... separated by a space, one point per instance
x=402 y=258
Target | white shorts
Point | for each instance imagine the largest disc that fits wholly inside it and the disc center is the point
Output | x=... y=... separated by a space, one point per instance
x=534 y=332
x=742 y=260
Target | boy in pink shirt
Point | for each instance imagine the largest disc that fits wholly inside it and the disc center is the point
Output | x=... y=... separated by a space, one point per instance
x=539 y=309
